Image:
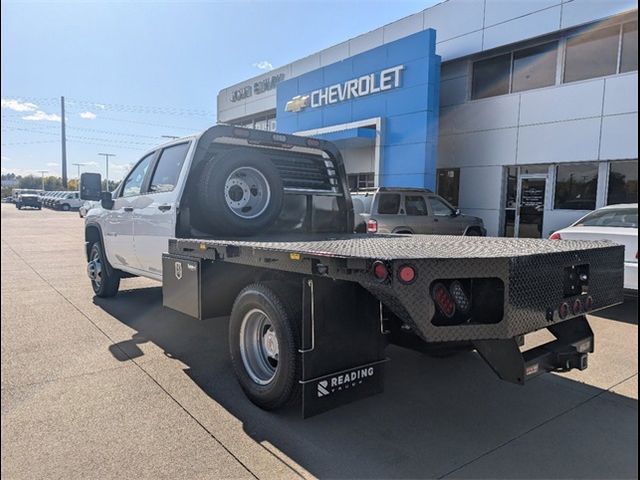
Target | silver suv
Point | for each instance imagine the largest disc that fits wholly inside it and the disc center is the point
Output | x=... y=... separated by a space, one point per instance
x=411 y=210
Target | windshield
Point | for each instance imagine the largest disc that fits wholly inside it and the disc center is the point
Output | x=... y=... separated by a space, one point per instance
x=623 y=217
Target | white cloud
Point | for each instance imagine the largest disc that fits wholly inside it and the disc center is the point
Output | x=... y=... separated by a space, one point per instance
x=263 y=65
x=53 y=164
x=88 y=115
x=17 y=105
x=101 y=106
x=39 y=116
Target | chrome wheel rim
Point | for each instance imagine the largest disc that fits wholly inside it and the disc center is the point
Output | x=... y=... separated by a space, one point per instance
x=94 y=268
x=247 y=192
x=259 y=346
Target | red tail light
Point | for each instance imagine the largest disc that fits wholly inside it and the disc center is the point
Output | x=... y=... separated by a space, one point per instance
x=372 y=226
x=443 y=300
x=555 y=236
x=380 y=271
x=406 y=274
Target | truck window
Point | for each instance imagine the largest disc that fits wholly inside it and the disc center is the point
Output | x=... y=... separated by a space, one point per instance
x=168 y=168
x=133 y=183
x=440 y=208
x=389 y=203
x=415 y=205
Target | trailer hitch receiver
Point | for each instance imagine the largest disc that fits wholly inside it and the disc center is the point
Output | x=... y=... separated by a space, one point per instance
x=574 y=341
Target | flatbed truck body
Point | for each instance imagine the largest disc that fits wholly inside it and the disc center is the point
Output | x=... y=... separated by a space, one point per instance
x=343 y=296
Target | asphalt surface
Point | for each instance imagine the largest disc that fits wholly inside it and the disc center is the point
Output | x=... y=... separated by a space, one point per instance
x=124 y=388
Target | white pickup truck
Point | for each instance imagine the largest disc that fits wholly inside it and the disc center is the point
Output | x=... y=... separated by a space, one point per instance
x=259 y=226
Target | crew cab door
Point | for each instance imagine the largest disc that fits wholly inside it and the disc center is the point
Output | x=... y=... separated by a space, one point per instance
x=156 y=213
x=118 y=222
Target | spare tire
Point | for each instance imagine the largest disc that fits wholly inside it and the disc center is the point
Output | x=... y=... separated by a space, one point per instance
x=239 y=193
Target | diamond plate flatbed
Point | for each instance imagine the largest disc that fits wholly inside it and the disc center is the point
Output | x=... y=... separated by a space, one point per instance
x=532 y=271
x=394 y=247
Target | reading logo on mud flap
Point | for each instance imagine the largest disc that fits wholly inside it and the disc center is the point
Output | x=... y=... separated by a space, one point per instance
x=344 y=381
x=178 y=270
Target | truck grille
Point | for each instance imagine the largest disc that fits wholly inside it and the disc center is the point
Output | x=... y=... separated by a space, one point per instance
x=306 y=174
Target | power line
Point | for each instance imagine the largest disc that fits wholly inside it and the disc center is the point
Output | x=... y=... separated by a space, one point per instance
x=28 y=143
x=80 y=137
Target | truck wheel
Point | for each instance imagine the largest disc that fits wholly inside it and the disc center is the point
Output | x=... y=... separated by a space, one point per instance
x=239 y=193
x=18 y=206
x=105 y=280
x=263 y=343
x=65 y=207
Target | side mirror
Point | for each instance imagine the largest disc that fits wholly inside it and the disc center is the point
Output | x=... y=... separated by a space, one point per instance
x=106 y=200
x=91 y=186
x=457 y=213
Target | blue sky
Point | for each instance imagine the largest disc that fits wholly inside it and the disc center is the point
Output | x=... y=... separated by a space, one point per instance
x=132 y=72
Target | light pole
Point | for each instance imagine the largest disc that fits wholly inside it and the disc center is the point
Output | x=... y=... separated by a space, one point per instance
x=106 y=158
x=42 y=172
x=79 y=165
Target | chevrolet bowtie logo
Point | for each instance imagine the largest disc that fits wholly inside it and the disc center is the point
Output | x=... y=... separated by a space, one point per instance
x=297 y=103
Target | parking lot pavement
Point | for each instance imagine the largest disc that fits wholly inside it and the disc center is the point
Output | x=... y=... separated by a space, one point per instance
x=96 y=388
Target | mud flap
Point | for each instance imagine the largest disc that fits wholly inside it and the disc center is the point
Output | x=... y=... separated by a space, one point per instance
x=342 y=345
x=574 y=341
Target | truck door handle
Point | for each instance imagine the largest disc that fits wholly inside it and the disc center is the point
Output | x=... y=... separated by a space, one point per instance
x=164 y=208
x=128 y=209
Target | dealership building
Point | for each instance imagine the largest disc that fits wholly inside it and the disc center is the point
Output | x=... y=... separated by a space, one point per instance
x=524 y=113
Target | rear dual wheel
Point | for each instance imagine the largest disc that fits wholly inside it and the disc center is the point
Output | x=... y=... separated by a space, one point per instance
x=263 y=343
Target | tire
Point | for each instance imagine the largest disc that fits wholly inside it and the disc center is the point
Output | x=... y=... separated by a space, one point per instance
x=105 y=280
x=65 y=207
x=18 y=206
x=275 y=385
x=473 y=232
x=239 y=193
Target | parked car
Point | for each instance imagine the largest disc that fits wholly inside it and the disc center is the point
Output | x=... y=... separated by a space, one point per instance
x=85 y=207
x=618 y=223
x=411 y=210
x=67 y=201
x=48 y=196
x=28 y=200
x=48 y=202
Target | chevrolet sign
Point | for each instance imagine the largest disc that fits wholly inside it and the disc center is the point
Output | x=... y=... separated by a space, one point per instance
x=387 y=79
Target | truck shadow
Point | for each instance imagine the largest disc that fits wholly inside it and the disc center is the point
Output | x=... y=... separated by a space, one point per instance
x=435 y=415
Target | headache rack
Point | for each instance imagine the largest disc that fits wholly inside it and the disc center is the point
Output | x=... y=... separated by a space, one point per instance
x=306 y=165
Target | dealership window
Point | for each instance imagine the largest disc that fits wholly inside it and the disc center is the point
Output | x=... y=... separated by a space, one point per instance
x=629 y=54
x=593 y=53
x=589 y=53
x=534 y=67
x=361 y=181
x=576 y=186
x=491 y=76
x=623 y=182
x=523 y=69
x=448 y=184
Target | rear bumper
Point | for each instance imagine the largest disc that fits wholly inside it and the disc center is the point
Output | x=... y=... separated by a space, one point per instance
x=530 y=289
x=631 y=276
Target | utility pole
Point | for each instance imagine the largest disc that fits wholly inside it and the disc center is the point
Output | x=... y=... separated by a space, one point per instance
x=42 y=172
x=79 y=165
x=64 y=144
x=106 y=158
